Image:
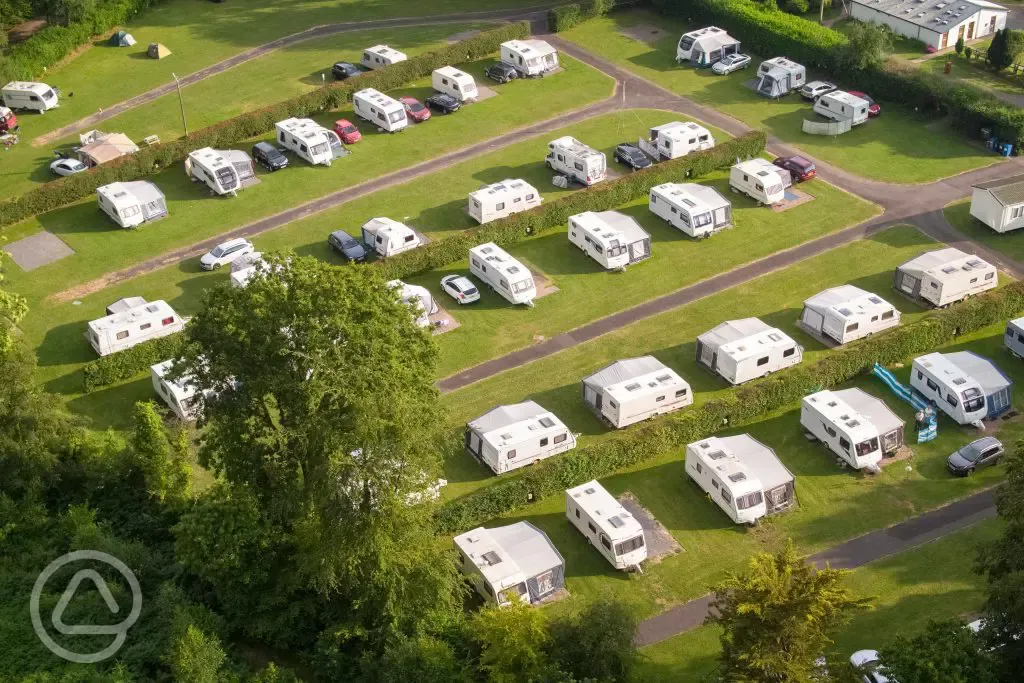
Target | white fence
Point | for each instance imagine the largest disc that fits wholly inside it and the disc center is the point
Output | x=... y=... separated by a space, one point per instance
x=827 y=127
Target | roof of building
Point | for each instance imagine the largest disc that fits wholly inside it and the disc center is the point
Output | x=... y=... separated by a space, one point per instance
x=846 y=98
x=677 y=130
x=871 y=407
x=1007 y=191
x=847 y=300
x=759 y=167
x=307 y=129
x=934 y=15
x=452 y=72
x=506 y=551
x=701 y=196
x=385 y=51
x=984 y=371
x=379 y=98
x=27 y=86
x=612 y=518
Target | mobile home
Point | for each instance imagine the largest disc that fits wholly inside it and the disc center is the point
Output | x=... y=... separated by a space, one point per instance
x=945 y=276
x=133 y=203
x=742 y=476
x=572 y=158
x=847 y=313
x=611 y=238
x=130 y=326
x=1014 y=337
x=676 y=139
x=505 y=275
x=529 y=57
x=380 y=56
x=451 y=81
x=224 y=171
x=180 y=395
x=385 y=112
x=606 y=525
x=780 y=76
x=999 y=204
x=99 y=148
x=839 y=105
x=514 y=562
x=966 y=386
x=759 y=179
x=33 y=96
x=745 y=349
x=513 y=436
x=848 y=433
x=388 y=237
x=498 y=200
x=635 y=389
x=417 y=297
x=697 y=210
x=705 y=46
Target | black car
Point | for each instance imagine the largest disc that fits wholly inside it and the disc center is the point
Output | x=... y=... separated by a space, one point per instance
x=631 y=155
x=346 y=245
x=268 y=156
x=343 y=70
x=501 y=73
x=446 y=104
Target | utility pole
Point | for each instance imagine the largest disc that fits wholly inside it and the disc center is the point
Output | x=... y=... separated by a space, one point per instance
x=181 y=103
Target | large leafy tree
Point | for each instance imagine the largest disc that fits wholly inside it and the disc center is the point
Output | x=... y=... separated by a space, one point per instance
x=514 y=644
x=597 y=643
x=868 y=48
x=947 y=651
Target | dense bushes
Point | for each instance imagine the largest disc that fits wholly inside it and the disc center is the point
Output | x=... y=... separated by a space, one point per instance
x=565 y=17
x=741 y=406
x=131 y=362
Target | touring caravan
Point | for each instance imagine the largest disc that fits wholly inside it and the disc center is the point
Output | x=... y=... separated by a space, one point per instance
x=676 y=139
x=514 y=562
x=130 y=326
x=635 y=389
x=745 y=349
x=847 y=313
x=33 y=96
x=759 y=179
x=179 y=395
x=225 y=171
x=839 y=105
x=697 y=210
x=309 y=140
x=133 y=203
x=705 y=46
x=417 y=297
x=945 y=276
x=853 y=437
x=572 y=158
x=498 y=200
x=388 y=237
x=451 y=81
x=505 y=275
x=779 y=76
x=244 y=267
x=1014 y=337
x=606 y=525
x=611 y=238
x=99 y=148
x=742 y=476
x=513 y=436
x=889 y=425
x=385 y=112
x=529 y=58
x=964 y=385
x=380 y=56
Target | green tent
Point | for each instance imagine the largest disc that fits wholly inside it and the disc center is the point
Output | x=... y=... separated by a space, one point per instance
x=121 y=39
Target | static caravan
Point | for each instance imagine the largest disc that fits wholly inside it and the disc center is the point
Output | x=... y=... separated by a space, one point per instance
x=779 y=76
x=417 y=297
x=742 y=476
x=759 y=179
x=697 y=210
x=180 y=395
x=848 y=433
x=498 y=200
x=839 y=105
x=611 y=238
x=505 y=275
x=309 y=140
x=945 y=276
x=224 y=171
x=99 y=148
x=634 y=389
x=606 y=525
x=388 y=237
x=33 y=96
x=513 y=436
x=451 y=81
x=133 y=203
x=745 y=349
x=1014 y=337
x=380 y=56
x=529 y=57
x=572 y=158
x=705 y=46
x=964 y=385
x=382 y=111
x=999 y=204
x=676 y=139
x=847 y=313
x=128 y=327
x=514 y=562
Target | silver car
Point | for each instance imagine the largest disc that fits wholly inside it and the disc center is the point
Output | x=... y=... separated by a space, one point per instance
x=984 y=451
x=730 y=63
x=816 y=89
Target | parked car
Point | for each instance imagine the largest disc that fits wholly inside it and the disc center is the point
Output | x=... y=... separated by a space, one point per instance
x=460 y=288
x=730 y=63
x=343 y=70
x=346 y=245
x=632 y=156
x=347 y=131
x=874 y=108
x=446 y=104
x=816 y=89
x=501 y=73
x=800 y=168
x=64 y=167
x=414 y=109
x=869 y=666
x=979 y=453
x=269 y=157
x=225 y=253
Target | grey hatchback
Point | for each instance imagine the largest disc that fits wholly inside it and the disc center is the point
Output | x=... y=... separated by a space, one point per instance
x=346 y=245
x=984 y=451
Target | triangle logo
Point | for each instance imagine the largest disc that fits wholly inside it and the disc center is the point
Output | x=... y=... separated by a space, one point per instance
x=69 y=593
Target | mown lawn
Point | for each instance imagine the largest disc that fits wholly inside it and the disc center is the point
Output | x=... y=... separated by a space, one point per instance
x=1010 y=243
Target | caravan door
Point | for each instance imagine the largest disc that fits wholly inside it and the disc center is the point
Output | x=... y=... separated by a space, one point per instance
x=813 y=319
x=707 y=356
x=473 y=442
x=721 y=215
x=637 y=251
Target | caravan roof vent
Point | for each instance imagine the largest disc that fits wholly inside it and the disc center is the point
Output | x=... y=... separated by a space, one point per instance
x=152 y=309
x=547 y=422
x=775 y=337
x=948 y=269
x=664 y=378
x=534 y=428
x=737 y=476
x=632 y=387
x=491 y=558
x=959 y=380
x=844 y=418
x=763 y=174
x=832 y=404
x=845 y=311
x=506 y=436
x=591 y=491
x=853 y=423
x=874 y=300
x=976 y=263
x=616 y=521
x=689 y=202
x=716 y=455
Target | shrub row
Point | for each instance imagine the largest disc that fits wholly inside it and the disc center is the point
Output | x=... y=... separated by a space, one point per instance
x=151 y=160
x=741 y=406
x=131 y=362
x=602 y=197
x=565 y=17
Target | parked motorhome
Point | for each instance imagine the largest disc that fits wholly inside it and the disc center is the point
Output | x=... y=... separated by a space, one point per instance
x=841 y=106
x=780 y=76
x=224 y=171
x=676 y=139
x=759 y=179
x=635 y=389
x=697 y=210
x=387 y=113
x=502 y=273
x=964 y=385
x=705 y=46
x=611 y=238
x=1014 y=337
x=945 y=276
x=606 y=525
x=451 y=81
x=529 y=57
x=847 y=313
x=850 y=435
x=572 y=158
x=417 y=297
x=388 y=237
x=999 y=204
x=742 y=476
x=98 y=148
x=512 y=436
x=132 y=203
x=309 y=140
x=130 y=326
x=180 y=395
x=514 y=562
x=32 y=96
x=498 y=200
x=380 y=56
x=745 y=349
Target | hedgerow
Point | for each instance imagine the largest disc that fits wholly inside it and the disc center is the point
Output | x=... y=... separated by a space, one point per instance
x=741 y=406
x=131 y=362
x=565 y=17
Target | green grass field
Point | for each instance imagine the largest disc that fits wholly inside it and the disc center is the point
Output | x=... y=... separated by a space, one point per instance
x=1009 y=243
x=976 y=73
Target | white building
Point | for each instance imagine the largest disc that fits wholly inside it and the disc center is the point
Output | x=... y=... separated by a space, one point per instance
x=999 y=204
x=745 y=349
x=309 y=140
x=499 y=200
x=380 y=56
x=417 y=297
x=676 y=139
x=697 y=210
x=224 y=171
x=127 y=326
x=635 y=389
x=451 y=81
x=848 y=433
x=759 y=179
x=572 y=158
x=512 y=436
x=383 y=111
x=389 y=237
x=945 y=276
x=964 y=385
x=847 y=313
x=504 y=274
x=706 y=46
x=180 y=396
x=936 y=23
x=32 y=96
x=779 y=76
x=133 y=203
x=611 y=238
x=514 y=562
x=840 y=105
x=529 y=57
x=606 y=525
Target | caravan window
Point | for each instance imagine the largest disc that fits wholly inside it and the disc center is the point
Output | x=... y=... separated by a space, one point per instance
x=932 y=385
x=660 y=398
x=504 y=284
x=726 y=496
x=130 y=211
x=167 y=321
x=762 y=361
x=529 y=197
x=123 y=334
x=989 y=276
x=500 y=206
x=629 y=545
x=145 y=327
x=699 y=468
x=788 y=352
x=951 y=400
x=844 y=444
x=593 y=529
x=410 y=238
x=511 y=454
x=701 y=220
x=396 y=116
x=522 y=286
x=867 y=447
x=749 y=500
x=887 y=315
x=605 y=542
x=577 y=513
x=973 y=400
x=516 y=200
x=380 y=115
x=578 y=166
x=831 y=432
x=560 y=438
x=544 y=442
x=852 y=327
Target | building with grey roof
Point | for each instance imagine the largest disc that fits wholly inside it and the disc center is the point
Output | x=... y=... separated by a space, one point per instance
x=936 y=23
x=999 y=204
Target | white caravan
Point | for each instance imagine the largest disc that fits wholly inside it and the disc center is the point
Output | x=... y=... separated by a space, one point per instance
x=309 y=140
x=745 y=349
x=385 y=112
x=27 y=95
x=244 y=267
x=502 y=273
x=572 y=158
x=417 y=297
x=180 y=396
x=945 y=276
x=130 y=326
x=223 y=171
x=606 y=525
x=388 y=237
x=706 y=46
x=1014 y=337
x=529 y=57
x=451 y=81
x=779 y=76
x=133 y=203
x=499 y=200
x=635 y=389
x=841 y=106
x=697 y=210
x=513 y=436
x=847 y=313
x=611 y=238
x=845 y=431
x=380 y=56
x=999 y=204
x=967 y=387
x=759 y=179
x=676 y=139
x=510 y=563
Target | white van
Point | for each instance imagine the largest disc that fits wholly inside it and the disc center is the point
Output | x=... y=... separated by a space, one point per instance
x=842 y=106
x=385 y=112
x=388 y=237
x=27 y=95
x=759 y=179
x=572 y=158
x=502 y=273
x=380 y=56
x=451 y=81
x=606 y=525
x=127 y=327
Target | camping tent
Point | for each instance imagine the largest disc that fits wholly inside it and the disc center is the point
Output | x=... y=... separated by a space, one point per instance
x=158 y=51
x=121 y=39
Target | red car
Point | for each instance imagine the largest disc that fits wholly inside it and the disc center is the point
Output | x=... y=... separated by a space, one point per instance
x=348 y=133
x=414 y=109
x=874 y=109
x=8 y=121
x=801 y=168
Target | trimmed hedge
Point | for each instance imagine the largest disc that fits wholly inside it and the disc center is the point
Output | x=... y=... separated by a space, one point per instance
x=151 y=160
x=601 y=197
x=741 y=406
x=565 y=17
x=131 y=362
